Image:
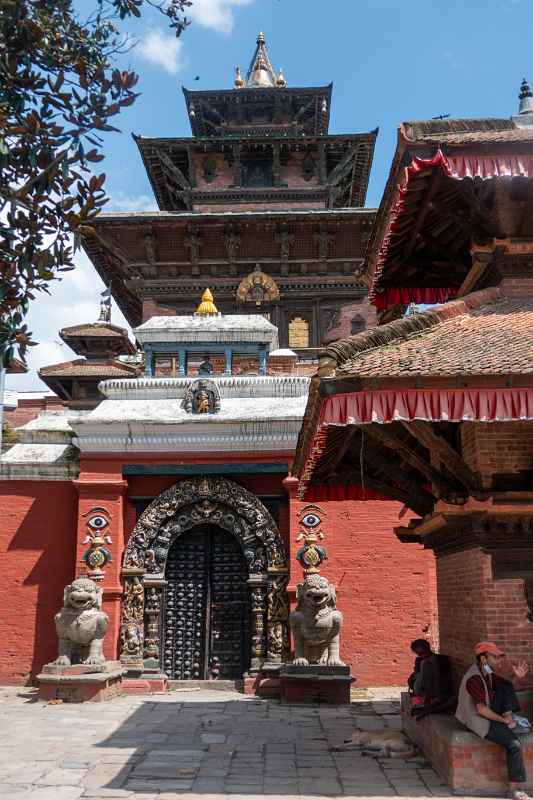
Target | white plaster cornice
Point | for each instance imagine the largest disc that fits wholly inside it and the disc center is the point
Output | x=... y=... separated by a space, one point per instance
x=255 y=386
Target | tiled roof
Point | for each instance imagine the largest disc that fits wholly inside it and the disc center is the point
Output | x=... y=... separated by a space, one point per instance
x=81 y=368
x=422 y=129
x=481 y=137
x=95 y=329
x=485 y=333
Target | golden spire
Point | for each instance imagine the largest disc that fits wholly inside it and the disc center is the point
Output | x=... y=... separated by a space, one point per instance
x=207 y=305
x=239 y=80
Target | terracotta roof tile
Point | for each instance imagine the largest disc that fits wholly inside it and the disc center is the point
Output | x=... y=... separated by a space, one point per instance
x=422 y=129
x=81 y=368
x=97 y=329
x=484 y=333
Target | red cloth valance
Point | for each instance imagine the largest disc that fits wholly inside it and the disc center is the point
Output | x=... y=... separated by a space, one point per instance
x=449 y=405
x=469 y=166
x=431 y=405
x=413 y=294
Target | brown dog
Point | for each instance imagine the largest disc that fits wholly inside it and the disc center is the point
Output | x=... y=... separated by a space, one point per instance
x=380 y=744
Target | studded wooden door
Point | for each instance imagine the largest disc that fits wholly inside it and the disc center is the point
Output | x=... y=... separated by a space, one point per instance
x=207 y=613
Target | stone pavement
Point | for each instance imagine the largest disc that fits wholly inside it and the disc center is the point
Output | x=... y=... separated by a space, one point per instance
x=198 y=745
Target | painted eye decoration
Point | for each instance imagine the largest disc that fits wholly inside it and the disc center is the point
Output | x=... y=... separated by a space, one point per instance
x=98 y=523
x=311 y=520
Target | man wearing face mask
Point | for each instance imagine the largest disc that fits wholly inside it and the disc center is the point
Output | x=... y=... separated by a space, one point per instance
x=486 y=705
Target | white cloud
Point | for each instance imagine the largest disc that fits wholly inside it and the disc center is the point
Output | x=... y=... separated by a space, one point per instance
x=121 y=201
x=216 y=14
x=162 y=49
x=74 y=299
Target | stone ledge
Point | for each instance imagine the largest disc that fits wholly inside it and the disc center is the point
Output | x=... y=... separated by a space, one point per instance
x=468 y=764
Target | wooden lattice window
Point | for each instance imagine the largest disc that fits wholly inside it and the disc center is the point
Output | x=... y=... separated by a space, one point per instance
x=298 y=332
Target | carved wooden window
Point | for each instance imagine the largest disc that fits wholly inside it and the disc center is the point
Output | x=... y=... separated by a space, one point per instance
x=357 y=324
x=298 y=332
x=257 y=173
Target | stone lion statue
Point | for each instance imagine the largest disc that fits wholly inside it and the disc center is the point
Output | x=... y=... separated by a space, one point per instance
x=316 y=623
x=81 y=624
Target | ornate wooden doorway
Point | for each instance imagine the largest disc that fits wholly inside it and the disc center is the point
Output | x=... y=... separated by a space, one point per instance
x=196 y=505
x=206 y=626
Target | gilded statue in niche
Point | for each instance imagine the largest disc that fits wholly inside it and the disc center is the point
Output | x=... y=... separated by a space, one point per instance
x=202 y=397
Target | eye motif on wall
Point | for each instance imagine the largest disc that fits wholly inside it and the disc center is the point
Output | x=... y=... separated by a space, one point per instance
x=311 y=554
x=97 y=555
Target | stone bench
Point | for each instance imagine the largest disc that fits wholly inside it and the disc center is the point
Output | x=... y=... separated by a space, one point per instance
x=468 y=764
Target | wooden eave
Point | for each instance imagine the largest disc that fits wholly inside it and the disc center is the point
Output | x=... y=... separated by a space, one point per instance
x=254 y=94
x=118 y=267
x=167 y=162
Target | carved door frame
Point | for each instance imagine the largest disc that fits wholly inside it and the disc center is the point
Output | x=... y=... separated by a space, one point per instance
x=187 y=504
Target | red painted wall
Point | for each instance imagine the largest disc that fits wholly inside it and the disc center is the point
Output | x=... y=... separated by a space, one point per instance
x=37 y=552
x=385 y=589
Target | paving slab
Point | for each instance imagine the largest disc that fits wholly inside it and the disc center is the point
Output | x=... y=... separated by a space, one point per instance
x=201 y=745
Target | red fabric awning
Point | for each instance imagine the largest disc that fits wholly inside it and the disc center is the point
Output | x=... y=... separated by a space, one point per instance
x=431 y=405
x=417 y=165
x=468 y=166
x=413 y=294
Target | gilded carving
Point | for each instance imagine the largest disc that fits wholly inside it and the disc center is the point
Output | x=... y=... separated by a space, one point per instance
x=277 y=619
x=202 y=397
x=258 y=288
x=186 y=505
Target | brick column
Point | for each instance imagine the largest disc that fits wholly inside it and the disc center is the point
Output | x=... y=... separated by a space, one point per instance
x=290 y=484
x=104 y=498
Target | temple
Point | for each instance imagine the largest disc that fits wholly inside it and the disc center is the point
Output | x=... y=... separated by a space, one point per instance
x=180 y=440
x=262 y=204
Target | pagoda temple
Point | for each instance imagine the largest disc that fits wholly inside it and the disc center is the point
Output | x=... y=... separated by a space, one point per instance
x=184 y=448
x=261 y=203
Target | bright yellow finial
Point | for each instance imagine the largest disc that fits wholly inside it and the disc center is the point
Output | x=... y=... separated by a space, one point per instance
x=207 y=305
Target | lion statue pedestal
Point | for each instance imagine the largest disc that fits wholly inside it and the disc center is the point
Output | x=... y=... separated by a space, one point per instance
x=80 y=672
x=317 y=673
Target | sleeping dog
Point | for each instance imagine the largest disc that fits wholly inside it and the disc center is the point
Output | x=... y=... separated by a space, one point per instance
x=379 y=744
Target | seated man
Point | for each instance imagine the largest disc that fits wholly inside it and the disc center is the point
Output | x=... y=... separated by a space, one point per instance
x=486 y=705
x=430 y=684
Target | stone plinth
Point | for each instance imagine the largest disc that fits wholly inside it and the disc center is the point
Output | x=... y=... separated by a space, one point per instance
x=81 y=683
x=468 y=764
x=315 y=684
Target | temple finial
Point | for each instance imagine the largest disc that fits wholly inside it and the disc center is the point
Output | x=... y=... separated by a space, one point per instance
x=260 y=72
x=280 y=80
x=239 y=80
x=526 y=98
x=207 y=307
x=105 y=306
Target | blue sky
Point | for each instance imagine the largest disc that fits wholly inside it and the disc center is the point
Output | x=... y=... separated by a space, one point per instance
x=389 y=61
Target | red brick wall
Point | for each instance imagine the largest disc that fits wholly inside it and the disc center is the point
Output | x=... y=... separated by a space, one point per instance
x=474 y=607
x=30 y=409
x=497 y=448
x=383 y=588
x=343 y=327
x=37 y=552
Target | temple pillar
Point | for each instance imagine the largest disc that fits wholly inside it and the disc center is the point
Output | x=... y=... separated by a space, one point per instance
x=262 y=361
x=484 y=572
x=290 y=484
x=148 y=361
x=182 y=362
x=103 y=499
x=229 y=360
